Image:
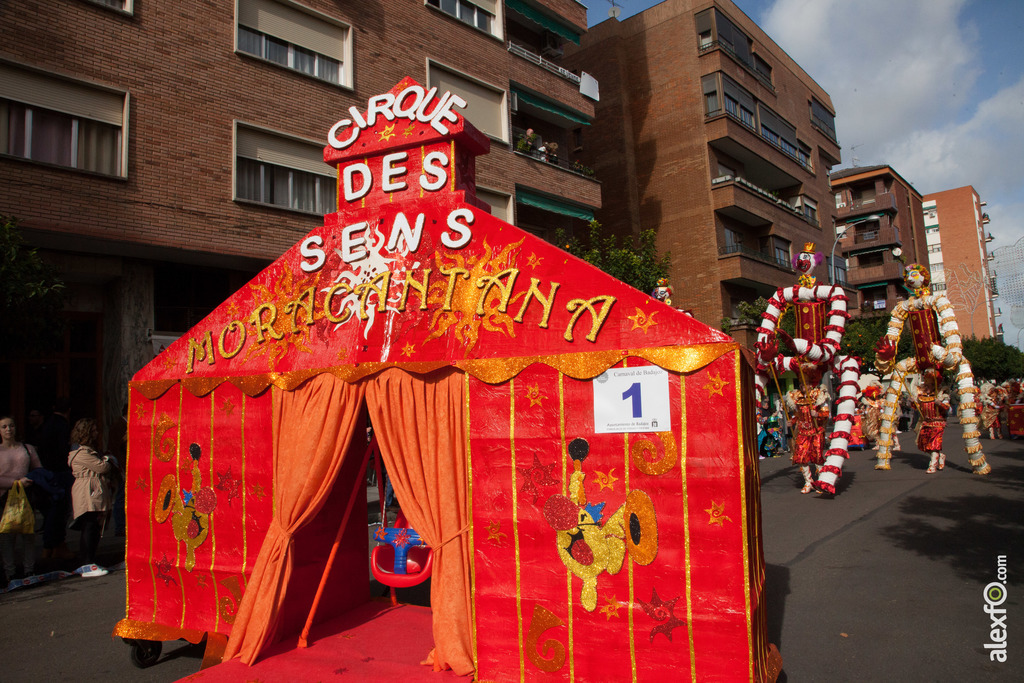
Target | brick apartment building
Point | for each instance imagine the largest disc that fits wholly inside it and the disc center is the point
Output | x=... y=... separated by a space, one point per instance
x=956 y=219
x=877 y=212
x=162 y=153
x=708 y=132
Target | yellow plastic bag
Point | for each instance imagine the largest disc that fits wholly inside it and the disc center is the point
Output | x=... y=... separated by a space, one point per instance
x=19 y=518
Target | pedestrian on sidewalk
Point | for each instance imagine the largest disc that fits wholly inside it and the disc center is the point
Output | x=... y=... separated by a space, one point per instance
x=92 y=493
x=16 y=460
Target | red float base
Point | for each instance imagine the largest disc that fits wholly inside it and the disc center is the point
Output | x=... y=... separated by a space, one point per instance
x=374 y=642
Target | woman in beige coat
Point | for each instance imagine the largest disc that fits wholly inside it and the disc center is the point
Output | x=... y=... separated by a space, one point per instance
x=92 y=492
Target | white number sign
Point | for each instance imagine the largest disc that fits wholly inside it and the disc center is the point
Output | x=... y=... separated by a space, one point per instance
x=632 y=400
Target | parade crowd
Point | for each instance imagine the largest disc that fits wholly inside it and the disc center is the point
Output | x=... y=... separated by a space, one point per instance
x=56 y=477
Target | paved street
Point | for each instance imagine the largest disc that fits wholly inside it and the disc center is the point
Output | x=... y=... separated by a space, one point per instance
x=882 y=583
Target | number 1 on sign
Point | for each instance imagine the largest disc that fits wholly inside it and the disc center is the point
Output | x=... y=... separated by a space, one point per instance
x=634 y=393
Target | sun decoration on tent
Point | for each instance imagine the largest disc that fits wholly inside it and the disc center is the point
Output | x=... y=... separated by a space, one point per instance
x=642 y=321
x=610 y=608
x=606 y=480
x=409 y=349
x=534 y=260
x=290 y=328
x=534 y=395
x=716 y=514
x=714 y=385
x=463 y=299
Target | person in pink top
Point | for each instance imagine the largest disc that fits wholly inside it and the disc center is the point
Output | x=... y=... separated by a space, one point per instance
x=16 y=459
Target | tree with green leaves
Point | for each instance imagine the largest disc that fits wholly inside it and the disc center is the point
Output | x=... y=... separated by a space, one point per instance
x=31 y=296
x=636 y=262
x=994 y=360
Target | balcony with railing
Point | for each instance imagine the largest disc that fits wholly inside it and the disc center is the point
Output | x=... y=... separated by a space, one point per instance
x=750 y=124
x=530 y=56
x=523 y=148
x=727 y=189
x=885 y=201
x=765 y=80
x=855 y=239
x=882 y=272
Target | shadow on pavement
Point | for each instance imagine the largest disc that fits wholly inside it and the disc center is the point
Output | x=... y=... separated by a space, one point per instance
x=963 y=531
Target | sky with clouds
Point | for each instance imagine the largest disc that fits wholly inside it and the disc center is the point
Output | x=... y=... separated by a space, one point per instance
x=933 y=88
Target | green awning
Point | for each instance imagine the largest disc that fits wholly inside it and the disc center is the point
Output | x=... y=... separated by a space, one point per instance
x=883 y=283
x=554 y=205
x=544 y=20
x=553 y=107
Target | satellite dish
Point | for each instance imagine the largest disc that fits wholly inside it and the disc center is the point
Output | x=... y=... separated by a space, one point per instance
x=614 y=12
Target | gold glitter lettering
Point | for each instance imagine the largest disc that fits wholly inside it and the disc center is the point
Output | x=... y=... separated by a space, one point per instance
x=547 y=302
x=420 y=287
x=451 y=275
x=233 y=325
x=378 y=284
x=577 y=308
x=200 y=351
x=329 y=298
x=256 y=319
x=488 y=281
x=305 y=303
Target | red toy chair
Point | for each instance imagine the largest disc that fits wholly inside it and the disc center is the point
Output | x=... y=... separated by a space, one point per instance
x=403 y=559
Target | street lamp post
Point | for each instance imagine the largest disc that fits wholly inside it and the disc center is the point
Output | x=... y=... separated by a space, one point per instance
x=840 y=234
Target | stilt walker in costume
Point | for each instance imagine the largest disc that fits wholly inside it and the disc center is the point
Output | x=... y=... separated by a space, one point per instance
x=937 y=346
x=810 y=414
x=820 y=323
x=933 y=406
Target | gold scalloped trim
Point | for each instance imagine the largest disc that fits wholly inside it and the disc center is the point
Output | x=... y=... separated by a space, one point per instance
x=144 y=630
x=972 y=435
x=971 y=450
x=583 y=365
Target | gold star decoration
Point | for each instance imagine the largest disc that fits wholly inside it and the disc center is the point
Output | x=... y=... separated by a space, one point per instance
x=201 y=581
x=610 y=608
x=141 y=484
x=387 y=133
x=534 y=260
x=408 y=350
x=714 y=385
x=534 y=395
x=408 y=130
x=258 y=491
x=642 y=321
x=227 y=407
x=169 y=361
x=716 y=514
x=140 y=411
x=494 y=533
x=606 y=481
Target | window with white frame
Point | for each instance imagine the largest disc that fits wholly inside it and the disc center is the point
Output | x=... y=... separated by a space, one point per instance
x=59 y=121
x=293 y=37
x=480 y=14
x=485 y=104
x=123 y=5
x=283 y=171
x=498 y=201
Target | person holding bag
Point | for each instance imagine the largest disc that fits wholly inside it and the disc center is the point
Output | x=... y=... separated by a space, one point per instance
x=16 y=459
x=92 y=492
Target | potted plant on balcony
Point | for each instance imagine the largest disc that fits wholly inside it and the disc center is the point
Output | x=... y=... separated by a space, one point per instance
x=527 y=142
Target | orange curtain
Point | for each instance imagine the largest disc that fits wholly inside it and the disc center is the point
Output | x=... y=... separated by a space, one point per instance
x=313 y=426
x=420 y=425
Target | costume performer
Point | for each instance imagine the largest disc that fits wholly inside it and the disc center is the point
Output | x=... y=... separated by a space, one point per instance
x=870 y=408
x=933 y=405
x=993 y=400
x=820 y=322
x=663 y=292
x=810 y=413
x=931 y=321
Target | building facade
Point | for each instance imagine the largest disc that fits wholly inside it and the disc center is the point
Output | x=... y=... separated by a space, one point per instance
x=957 y=219
x=160 y=154
x=1008 y=267
x=880 y=228
x=708 y=132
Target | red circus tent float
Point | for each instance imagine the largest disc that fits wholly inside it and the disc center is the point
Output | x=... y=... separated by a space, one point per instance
x=579 y=455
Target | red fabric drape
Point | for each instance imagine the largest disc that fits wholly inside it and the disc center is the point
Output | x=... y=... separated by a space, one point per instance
x=420 y=425
x=313 y=426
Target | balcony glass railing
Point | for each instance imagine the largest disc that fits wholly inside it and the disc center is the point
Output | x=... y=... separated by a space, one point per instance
x=530 y=56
